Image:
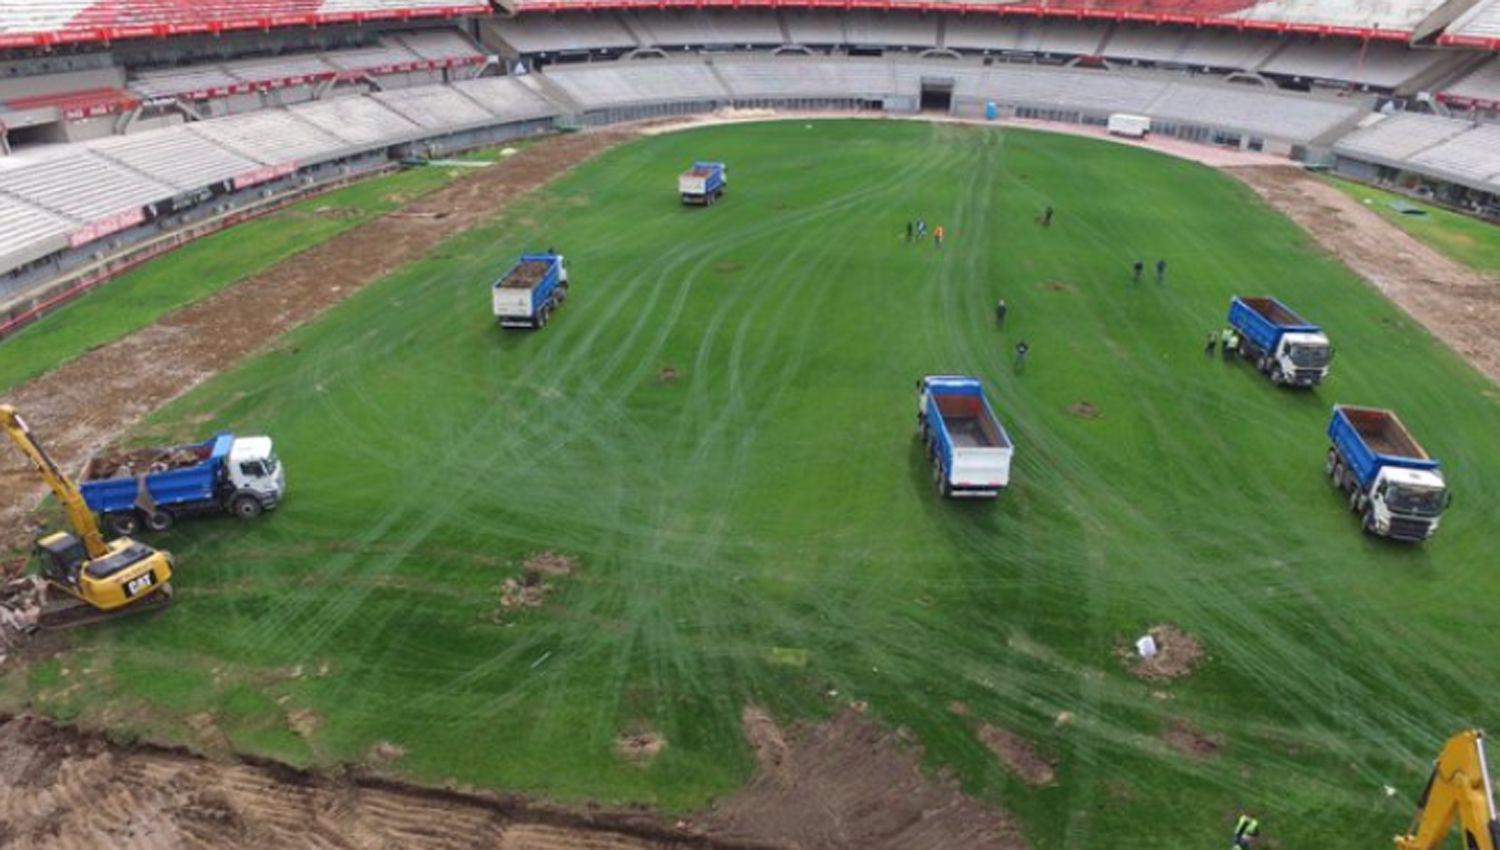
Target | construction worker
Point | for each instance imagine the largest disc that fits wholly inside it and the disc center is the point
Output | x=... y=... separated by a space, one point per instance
x=1208 y=345
x=1047 y=216
x=921 y=228
x=937 y=235
x=1161 y=271
x=1137 y=269
x=910 y=229
x=1225 y=336
x=1000 y=313
x=1022 y=349
x=1232 y=345
x=1245 y=830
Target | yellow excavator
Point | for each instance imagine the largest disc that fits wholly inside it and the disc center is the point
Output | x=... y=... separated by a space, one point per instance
x=110 y=578
x=1460 y=789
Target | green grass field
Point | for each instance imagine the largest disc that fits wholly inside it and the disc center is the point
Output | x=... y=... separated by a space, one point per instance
x=763 y=528
x=201 y=268
x=1468 y=240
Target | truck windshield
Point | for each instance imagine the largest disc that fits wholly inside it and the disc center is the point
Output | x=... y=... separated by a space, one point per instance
x=1426 y=501
x=271 y=463
x=1310 y=356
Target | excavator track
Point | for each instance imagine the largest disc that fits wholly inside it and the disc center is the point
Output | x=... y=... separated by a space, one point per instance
x=77 y=614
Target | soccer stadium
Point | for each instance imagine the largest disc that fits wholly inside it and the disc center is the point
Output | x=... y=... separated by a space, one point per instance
x=749 y=424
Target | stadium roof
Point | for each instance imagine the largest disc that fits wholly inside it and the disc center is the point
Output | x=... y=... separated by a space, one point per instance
x=38 y=23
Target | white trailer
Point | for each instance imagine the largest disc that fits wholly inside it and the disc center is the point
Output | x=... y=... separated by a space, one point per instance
x=1131 y=126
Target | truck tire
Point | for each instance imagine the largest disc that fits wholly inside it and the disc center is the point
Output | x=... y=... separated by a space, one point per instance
x=1356 y=504
x=246 y=507
x=541 y=318
x=127 y=524
x=1330 y=466
x=160 y=521
x=1367 y=523
x=1277 y=376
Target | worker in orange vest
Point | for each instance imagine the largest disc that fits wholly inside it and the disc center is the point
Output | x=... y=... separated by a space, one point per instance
x=937 y=234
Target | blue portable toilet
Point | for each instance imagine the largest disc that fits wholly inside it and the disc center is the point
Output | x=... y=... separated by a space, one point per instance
x=991 y=111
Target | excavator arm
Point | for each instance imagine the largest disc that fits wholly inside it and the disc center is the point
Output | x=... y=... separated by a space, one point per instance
x=1460 y=789
x=79 y=515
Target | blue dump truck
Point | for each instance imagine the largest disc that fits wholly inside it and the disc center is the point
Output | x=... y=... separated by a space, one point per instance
x=703 y=184
x=1283 y=346
x=155 y=487
x=1396 y=489
x=528 y=292
x=969 y=449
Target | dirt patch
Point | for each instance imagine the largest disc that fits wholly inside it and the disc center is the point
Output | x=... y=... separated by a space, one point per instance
x=849 y=783
x=639 y=747
x=60 y=788
x=1189 y=741
x=549 y=563
x=1177 y=654
x=98 y=396
x=1459 y=305
x=1017 y=754
x=726 y=267
x=526 y=274
x=1084 y=410
x=305 y=723
x=387 y=751
x=1057 y=286
x=669 y=374
x=528 y=591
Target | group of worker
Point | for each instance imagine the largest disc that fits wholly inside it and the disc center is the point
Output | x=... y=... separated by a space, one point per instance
x=1228 y=341
x=917 y=228
x=1139 y=268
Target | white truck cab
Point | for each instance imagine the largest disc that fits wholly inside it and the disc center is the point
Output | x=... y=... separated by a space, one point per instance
x=256 y=475
x=1301 y=358
x=1408 y=502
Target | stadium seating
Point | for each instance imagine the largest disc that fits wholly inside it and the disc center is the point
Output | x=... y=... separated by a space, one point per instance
x=361 y=121
x=435 y=108
x=1470 y=157
x=1376 y=64
x=815 y=27
x=170 y=155
x=507 y=98
x=740 y=29
x=271 y=137
x=864 y=27
x=1479 y=27
x=83 y=186
x=28 y=232
x=40 y=22
x=636 y=82
x=573 y=31
x=1480 y=86
x=1392 y=139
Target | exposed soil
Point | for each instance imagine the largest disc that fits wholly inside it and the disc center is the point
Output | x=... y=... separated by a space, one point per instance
x=668 y=374
x=1459 y=305
x=63 y=789
x=1177 y=654
x=90 y=401
x=1057 y=286
x=848 y=783
x=1084 y=410
x=528 y=591
x=1189 y=741
x=526 y=275
x=549 y=563
x=1017 y=754
x=128 y=464
x=639 y=747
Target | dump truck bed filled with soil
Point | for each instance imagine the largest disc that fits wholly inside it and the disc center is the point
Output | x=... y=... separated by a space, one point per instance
x=128 y=464
x=1274 y=311
x=525 y=275
x=1383 y=432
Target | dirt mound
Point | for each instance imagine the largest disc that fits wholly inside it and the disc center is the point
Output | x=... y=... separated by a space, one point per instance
x=1084 y=410
x=1018 y=754
x=1177 y=654
x=61 y=789
x=98 y=396
x=128 y=464
x=639 y=747
x=848 y=783
x=549 y=563
x=1057 y=286
x=528 y=591
x=668 y=374
x=1185 y=739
